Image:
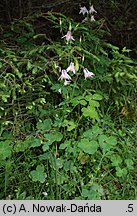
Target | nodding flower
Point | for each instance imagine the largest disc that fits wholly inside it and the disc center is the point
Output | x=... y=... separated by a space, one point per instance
x=71 y=67
x=87 y=73
x=68 y=36
x=92 y=10
x=83 y=10
x=66 y=82
x=92 y=19
x=64 y=75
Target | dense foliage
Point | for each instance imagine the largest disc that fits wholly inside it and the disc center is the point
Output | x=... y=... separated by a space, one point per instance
x=74 y=139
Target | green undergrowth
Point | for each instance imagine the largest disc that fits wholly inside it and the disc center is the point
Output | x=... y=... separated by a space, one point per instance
x=74 y=141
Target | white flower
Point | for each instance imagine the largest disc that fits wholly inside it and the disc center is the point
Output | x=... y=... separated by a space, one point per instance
x=84 y=20
x=83 y=10
x=87 y=73
x=66 y=82
x=92 y=10
x=71 y=68
x=64 y=75
x=45 y=193
x=92 y=19
x=68 y=36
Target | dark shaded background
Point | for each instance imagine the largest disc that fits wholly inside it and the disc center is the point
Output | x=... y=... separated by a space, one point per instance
x=120 y=16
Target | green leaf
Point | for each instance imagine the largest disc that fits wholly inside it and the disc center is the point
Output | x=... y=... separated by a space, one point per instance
x=5 y=149
x=96 y=130
x=46 y=146
x=121 y=172
x=103 y=142
x=87 y=146
x=59 y=163
x=129 y=164
x=90 y=112
x=97 y=97
x=112 y=140
x=116 y=160
x=38 y=174
x=54 y=136
x=70 y=125
x=94 y=103
x=29 y=66
x=21 y=145
x=45 y=125
x=34 y=142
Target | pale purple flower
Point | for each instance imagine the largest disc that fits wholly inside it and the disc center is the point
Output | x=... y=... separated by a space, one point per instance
x=84 y=20
x=66 y=82
x=87 y=73
x=71 y=67
x=92 y=10
x=64 y=75
x=92 y=19
x=68 y=36
x=83 y=10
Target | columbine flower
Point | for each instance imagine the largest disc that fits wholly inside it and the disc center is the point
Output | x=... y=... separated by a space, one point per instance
x=68 y=36
x=87 y=73
x=83 y=10
x=64 y=75
x=92 y=19
x=66 y=82
x=92 y=10
x=71 y=68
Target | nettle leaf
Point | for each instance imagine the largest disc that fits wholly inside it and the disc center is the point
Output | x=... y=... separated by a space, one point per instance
x=88 y=146
x=38 y=174
x=5 y=149
x=54 y=136
x=90 y=112
x=116 y=160
x=97 y=97
x=45 y=125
